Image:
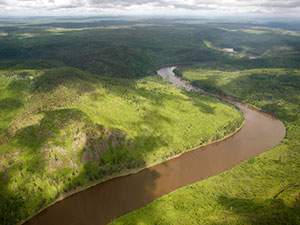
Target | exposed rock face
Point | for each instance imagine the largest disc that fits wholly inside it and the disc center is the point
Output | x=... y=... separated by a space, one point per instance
x=101 y=140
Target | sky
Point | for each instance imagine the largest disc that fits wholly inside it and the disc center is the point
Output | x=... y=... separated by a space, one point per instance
x=264 y=8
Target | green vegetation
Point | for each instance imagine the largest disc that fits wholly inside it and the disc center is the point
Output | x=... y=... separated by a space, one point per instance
x=63 y=128
x=80 y=102
x=136 y=47
x=262 y=190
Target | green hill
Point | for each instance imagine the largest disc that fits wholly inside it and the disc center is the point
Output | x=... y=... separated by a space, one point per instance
x=63 y=128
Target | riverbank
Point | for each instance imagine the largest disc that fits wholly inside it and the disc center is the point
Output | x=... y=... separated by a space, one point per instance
x=72 y=129
x=124 y=194
x=262 y=190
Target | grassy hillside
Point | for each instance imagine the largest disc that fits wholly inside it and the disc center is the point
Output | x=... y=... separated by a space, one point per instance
x=63 y=128
x=262 y=190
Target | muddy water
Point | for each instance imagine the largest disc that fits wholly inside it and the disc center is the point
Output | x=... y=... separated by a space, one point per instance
x=108 y=200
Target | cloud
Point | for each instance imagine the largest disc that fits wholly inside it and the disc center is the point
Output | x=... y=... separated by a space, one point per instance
x=172 y=7
x=281 y=4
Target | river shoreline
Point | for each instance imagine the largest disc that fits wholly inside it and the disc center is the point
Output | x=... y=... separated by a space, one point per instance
x=37 y=220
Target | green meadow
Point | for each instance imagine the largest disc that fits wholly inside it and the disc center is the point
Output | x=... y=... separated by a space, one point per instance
x=262 y=190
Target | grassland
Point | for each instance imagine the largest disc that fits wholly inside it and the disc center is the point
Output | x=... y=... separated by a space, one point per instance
x=262 y=190
x=64 y=128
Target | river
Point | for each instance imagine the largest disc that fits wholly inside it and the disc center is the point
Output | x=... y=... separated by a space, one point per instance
x=108 y=200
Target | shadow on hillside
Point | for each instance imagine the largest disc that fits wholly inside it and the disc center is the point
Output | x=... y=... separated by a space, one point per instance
x=281 y=112
x=271 y=211
x=113 y=153
x=125 y=88
x=11 y=204
x=8 y=105
x=70 y=77
x=209 y=84
x=270 y=87
x=110 y=151
x=108 y=145
x=203 y=105
x=158 y=96
x=118 y=155
x=32 y=140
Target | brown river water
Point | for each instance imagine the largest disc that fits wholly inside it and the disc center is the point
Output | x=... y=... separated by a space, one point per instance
x=111 y=199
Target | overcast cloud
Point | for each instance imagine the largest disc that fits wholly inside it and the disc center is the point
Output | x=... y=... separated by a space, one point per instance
x=283 y=8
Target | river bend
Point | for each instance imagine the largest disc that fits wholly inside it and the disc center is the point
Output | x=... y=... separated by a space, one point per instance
x=108 y=200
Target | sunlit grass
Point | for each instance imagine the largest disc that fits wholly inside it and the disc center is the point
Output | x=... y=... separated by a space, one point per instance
x=63 y=128
x=262 y=190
